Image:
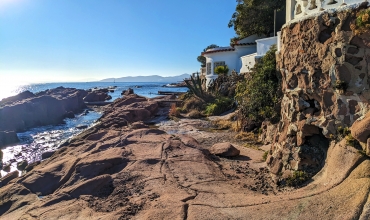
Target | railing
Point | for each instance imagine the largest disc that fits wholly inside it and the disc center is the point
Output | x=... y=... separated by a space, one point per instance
x=306 y=7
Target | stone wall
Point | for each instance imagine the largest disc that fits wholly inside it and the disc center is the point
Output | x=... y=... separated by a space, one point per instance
x=316 y=55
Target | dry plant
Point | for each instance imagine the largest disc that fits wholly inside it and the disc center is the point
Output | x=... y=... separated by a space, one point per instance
x=174 y=112
x=247 y=136
x=227 y=124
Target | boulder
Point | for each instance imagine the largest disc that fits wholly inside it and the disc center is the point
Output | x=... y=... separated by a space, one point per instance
x=47 y=154
x=361 y=129
x=97 y=96
x=225 y=149
x=81 y=126
x=129 y=91
x=70 y=115
x=8 y=138
x=22 y=165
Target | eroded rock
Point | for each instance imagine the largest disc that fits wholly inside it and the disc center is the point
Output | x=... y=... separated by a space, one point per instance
x=224 y=150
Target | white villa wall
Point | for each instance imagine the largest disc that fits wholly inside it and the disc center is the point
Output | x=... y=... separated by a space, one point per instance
x=300 y=8
x=230 y=58
x=263 y=45
x=248 y=62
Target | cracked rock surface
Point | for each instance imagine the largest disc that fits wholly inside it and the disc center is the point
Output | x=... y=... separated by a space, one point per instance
x=113 y=171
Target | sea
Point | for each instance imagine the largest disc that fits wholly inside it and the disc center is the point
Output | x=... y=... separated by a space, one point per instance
x=42 y=139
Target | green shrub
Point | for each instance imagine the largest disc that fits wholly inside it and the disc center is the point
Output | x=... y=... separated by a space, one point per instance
x=222 y=70
x=264 y=156
x=193 y=103
x=219 y=106
x=259 y=95
x=351 y=141
x=297 y=178
x=362 y=23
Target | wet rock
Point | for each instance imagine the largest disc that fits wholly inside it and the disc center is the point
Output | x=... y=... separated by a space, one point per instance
x=47 y=154
x=7 y=178
x=22 y=165
x=129 y=91
x=8 y=138
x=225 y=149
x=6 y=167
x=46 y=108
x=81 y=126
x=70 y=115
x=97 y=96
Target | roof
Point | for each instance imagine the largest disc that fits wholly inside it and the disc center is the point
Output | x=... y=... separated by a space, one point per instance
x=218 y=49
x=243 y=44
x=226 y=49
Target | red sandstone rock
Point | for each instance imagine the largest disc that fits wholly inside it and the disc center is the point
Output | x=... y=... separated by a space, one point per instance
x=224 y=150
x=361 y=129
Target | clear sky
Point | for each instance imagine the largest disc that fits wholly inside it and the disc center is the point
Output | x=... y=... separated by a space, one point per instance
x=84 y=40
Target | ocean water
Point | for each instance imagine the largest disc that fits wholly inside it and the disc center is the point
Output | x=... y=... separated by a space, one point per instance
x=145 y=89
x=47 y=138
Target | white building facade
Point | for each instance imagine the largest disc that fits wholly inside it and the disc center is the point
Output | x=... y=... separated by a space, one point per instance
x=239 y=57
x=232 y=56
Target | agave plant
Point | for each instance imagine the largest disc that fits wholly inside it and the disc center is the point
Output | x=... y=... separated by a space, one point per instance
x=194 y=84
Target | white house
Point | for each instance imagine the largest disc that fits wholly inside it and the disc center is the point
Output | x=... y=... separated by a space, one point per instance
x=300 y=8
x=239 y=57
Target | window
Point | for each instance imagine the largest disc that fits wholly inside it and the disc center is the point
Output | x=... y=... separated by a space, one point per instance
x=209 y=68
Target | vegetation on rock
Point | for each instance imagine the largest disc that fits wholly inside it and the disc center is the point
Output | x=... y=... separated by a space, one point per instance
x=362 y=23
x=259 y=95
x=219 y=106
x=297 y=178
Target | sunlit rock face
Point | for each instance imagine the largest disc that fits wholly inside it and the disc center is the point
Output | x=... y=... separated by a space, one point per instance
x=325 y=81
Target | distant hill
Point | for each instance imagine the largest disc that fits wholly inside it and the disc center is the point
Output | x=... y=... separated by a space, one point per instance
x=153 y=78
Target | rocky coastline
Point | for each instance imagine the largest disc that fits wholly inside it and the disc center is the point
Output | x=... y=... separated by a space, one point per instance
x=27 y=110
x=124 y=168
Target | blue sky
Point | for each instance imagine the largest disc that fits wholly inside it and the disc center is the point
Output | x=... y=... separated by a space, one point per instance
x=82 y=40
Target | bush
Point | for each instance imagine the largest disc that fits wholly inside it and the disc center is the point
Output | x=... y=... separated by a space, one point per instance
x=193 y=103
x=260 y=94
x=222 y=70
x=362 y=23
x=174 y=111
x=219 y=106
x=297 y=178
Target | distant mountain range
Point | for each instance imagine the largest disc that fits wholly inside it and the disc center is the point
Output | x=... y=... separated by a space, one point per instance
x=153 y=78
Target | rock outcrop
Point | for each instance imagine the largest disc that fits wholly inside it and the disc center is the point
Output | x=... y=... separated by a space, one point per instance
x=112 y=171
x=325 y=81
x=8 y=138
x=98 y=95
x=45 y=108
